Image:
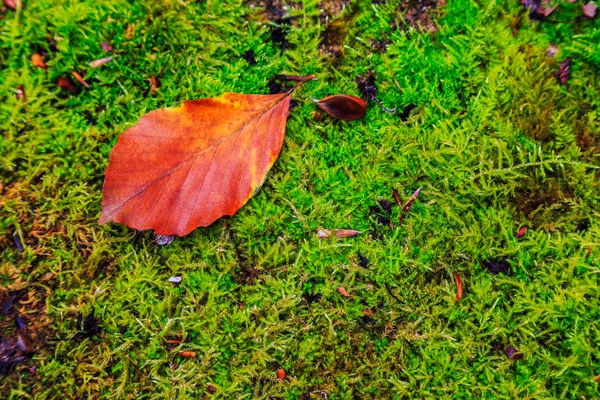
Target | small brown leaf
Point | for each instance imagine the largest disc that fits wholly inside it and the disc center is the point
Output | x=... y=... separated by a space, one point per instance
x=80 y=79
x=368 y=313
x=187 y=353
x=343 y=291
x=106 y=46
x=521 y=232
x=101 y=61
x=589 y=9
x=459 y=286
x=38 y=61
x=174 y=341
x=343 y=106
x=323 y=233
x=66 y=84
x=280 y=374
x=211 y=389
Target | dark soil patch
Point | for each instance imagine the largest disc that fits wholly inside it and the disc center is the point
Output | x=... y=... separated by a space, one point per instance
x=419 y=14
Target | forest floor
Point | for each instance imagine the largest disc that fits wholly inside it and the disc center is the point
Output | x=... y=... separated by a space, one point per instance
x=497 y=121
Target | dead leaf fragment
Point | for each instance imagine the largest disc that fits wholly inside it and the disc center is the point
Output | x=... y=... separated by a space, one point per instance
x=521 y=232
x=343 y=291
x=589 y=9
x=79 y=78
x=14 y=4
x=564 y=71
x=341 y=233
x=106 y=46
x=280 y=374
x=38 y=61
x=513 y=353
x=65 y=84
x=343 y=106
x=188 y=353
x=101 y=61
x=176 y=280
x=459 y=286
x=185 y=167
x=154 y=84
x=551 y=50
x=20 y=92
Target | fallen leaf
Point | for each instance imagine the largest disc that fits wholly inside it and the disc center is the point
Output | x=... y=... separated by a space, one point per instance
x=459 y=286
x=188 y=353
x=589 y=9
x=368 y=313
x=101 y=61
x=366 y=86
x=343 y=106
x=38 y=61
x=106 y=46
x=24 y=341
x=536 y=10
x=175 y=280
x=497 y=266
x=564 y=71
x=513 y=353
x=343 y=291
x=281 y=374
x=185 y=167
x=80 y=79
x=521 y=232
x=66 y=84
x=363 y=261
x=174 y=341
x=341 y=233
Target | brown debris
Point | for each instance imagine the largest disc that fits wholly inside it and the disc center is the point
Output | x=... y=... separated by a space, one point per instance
x=564 y=71
x=20 y=92
x=521 y=232
x=459 y=286
x=341 y=233
x=513 y=354
x=187 y=353
x=343 y=291
x=106 y=46
x=280 y=374
x=65 y=84
x=419 y=14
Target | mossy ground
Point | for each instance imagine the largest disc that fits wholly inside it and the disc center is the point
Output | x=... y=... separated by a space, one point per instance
x=494 y=141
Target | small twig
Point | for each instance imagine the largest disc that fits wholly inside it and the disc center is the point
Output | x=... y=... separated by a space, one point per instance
x=389 y=290
x=391 y=71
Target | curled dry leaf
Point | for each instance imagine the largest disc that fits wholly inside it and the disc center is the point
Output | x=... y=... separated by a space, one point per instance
x=459 y=286
x=38 y=61
x=101 y=61
x=185 y=167
x=343 y=106
x=589 y=9
x=521 y=232
x=343 y=291
x=188 y=353
x=79 y=78
x=280 y=374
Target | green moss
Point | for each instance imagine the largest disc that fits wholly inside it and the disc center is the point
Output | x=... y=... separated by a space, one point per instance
x=494 y=141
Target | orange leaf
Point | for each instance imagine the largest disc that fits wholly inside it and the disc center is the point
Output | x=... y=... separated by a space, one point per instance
x=180 y=168
x=343 y=291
